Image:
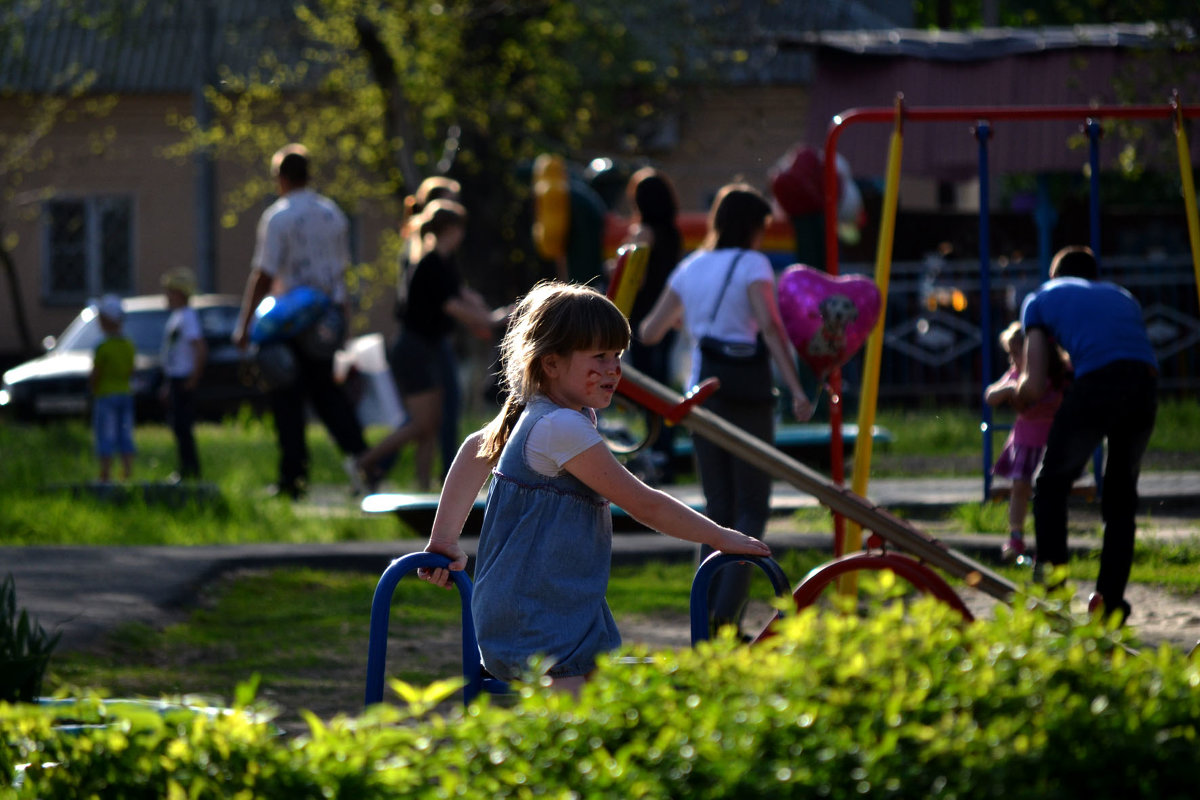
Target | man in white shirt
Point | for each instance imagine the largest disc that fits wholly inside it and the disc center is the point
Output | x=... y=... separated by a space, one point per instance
x=302 y=241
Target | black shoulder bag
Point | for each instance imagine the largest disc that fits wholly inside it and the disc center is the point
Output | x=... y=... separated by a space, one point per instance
x=744 y=369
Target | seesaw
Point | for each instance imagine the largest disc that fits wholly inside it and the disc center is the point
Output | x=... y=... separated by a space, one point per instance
x=923 y=552
x=887 y=529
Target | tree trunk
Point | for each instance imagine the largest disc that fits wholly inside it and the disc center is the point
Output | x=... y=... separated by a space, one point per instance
x=398 y=120
x=18 y=302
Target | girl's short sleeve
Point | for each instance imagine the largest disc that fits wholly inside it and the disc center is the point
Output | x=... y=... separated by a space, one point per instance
x=757 y=268
x=557 y=438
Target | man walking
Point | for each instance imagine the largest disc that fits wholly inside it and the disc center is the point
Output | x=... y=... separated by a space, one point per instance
x=302 y=240
x=1114 y=396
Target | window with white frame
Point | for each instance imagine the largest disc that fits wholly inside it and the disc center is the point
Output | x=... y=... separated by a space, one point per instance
x=88 y=247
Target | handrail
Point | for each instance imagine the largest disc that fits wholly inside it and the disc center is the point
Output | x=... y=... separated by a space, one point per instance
x=703 y=580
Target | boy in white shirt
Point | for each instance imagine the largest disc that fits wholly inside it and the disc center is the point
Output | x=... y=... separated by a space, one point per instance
x=184 y=353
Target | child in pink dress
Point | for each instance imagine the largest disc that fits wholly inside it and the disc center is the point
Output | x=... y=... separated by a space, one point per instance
x=1022 y=453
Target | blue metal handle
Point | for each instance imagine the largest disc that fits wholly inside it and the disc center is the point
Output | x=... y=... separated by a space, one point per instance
x=714 y=564
x=381 y=609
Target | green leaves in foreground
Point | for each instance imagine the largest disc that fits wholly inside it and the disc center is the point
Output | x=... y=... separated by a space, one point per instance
x=907 y=702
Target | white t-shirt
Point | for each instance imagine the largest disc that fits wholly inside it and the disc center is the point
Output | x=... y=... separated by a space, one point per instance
x=303 y=240
x=179 y=335
x=698 y=280
x=558 y=437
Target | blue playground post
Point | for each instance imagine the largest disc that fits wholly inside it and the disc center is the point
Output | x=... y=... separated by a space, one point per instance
x=475 y=681
x=1093 y=133
x=703 y=579
x=983 y=132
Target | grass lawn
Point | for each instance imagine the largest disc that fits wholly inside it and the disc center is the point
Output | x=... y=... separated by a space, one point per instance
x=239 y=457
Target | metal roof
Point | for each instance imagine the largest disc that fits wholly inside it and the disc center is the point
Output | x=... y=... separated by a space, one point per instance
x=156 y=51
x=1067 y=76
x=983 y=44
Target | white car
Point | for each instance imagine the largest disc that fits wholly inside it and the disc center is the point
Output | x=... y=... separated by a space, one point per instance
x=55 y=384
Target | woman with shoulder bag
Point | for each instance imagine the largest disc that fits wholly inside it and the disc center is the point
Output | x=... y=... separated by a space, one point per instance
x=724 y=294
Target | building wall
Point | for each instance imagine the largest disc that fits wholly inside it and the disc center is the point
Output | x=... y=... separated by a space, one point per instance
x=730 y=133
x=163 y=192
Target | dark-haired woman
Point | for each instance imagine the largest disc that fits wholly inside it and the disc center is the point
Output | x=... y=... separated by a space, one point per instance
x=724 y=295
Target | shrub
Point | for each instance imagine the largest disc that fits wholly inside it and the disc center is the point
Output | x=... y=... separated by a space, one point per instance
x=906 y=702
x=25 y=648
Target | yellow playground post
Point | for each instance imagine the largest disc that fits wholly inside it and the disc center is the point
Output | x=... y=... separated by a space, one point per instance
x=848 y=584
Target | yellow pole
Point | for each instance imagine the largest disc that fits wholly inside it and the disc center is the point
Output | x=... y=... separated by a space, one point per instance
x=1189 y=190
x=863 y=444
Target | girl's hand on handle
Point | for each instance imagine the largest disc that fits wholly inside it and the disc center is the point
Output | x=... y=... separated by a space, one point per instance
x=441 y=577
x=731 y=541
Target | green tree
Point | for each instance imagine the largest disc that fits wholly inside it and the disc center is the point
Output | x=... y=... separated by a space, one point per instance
x=391 y=91
x=965 y=14
x=36 y=106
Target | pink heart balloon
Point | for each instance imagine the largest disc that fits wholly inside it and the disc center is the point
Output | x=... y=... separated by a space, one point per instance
x=827 y=317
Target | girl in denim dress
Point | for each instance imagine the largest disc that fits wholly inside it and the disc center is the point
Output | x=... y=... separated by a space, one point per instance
x=546 y=542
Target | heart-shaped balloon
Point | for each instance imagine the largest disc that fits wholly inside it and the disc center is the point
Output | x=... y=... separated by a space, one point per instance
x=827 y=317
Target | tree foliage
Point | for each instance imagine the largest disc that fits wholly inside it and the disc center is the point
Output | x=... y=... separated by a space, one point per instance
x=965 y=14
x=34 y=111
x=390 y=91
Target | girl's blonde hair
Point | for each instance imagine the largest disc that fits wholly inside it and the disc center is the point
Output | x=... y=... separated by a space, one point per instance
x=1012 y=337
x=553 y=319
x=1058 y=366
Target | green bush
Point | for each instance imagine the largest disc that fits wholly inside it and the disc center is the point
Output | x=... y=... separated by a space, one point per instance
x=905 y=702
x=25 y=648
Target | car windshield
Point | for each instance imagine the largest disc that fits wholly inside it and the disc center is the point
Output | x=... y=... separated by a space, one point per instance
x=145 y=328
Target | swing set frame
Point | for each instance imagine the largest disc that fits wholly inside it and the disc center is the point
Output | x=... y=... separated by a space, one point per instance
x=981 y=117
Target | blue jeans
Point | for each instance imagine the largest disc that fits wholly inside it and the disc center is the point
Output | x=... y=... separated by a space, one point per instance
x=112 y=423
x=1117 y=402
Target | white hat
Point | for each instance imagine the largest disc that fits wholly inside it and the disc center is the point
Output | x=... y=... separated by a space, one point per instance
x=110 y=307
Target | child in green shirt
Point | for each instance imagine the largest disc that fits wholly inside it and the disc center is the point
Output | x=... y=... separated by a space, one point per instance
x=112 y=405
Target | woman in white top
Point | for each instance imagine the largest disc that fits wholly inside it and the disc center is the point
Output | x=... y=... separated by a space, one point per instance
x=724 y=295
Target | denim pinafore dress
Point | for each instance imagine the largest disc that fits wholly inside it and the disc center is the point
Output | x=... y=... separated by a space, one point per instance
x=542 y=566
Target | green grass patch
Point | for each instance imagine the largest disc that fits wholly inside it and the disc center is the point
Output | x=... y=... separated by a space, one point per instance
x=984 y=517
x=944 y=432
x=1170 y=564
x=956 y=431
x=290 y=625
x=238 y=456
x=1177 y=427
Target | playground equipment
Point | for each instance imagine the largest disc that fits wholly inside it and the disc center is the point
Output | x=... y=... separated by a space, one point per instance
x=886 y=528
x=475 y=679
x=923 y=552
x=981 y=117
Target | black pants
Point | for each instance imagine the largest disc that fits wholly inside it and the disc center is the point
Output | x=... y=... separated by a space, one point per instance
x=181 y=414
x=314 y=384
x=1117 y=402
x=736 y=495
